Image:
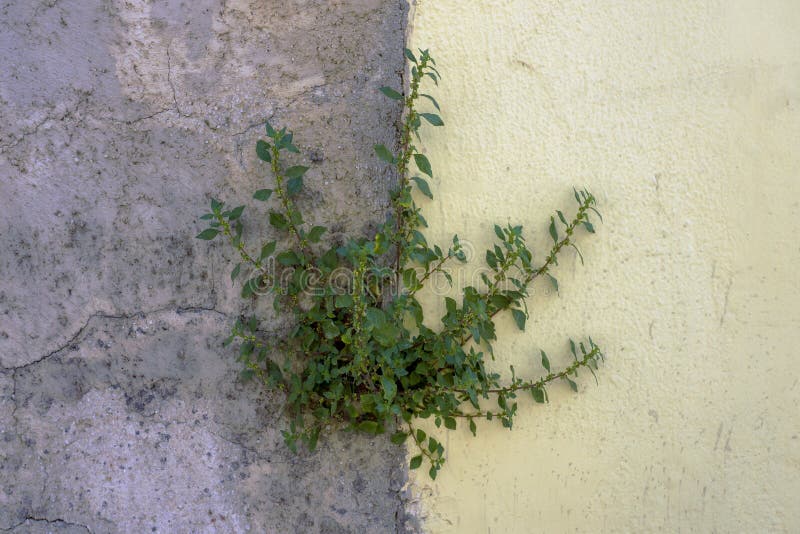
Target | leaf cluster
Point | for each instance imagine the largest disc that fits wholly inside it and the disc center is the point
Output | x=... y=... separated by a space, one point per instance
x=359 y=354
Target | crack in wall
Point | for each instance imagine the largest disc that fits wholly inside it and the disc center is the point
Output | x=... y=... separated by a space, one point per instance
x=69 y=112
x=103 y=315
x=724 y=313
x=56 y=521
x=172 y=85
x=14 y=370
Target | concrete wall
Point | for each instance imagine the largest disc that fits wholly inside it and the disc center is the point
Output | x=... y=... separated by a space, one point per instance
x=684 y=119
x=119 y=410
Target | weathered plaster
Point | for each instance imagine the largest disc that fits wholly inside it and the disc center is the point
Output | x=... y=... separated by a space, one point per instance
x=683 y=118
x=119 y=410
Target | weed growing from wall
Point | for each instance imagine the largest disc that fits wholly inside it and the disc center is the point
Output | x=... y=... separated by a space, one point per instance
x=359 y=354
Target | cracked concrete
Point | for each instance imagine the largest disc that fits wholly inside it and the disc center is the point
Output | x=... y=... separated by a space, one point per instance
x=119 y=410
x=36 y=525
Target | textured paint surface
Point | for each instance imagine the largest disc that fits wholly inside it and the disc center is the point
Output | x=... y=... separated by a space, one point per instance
x=119 y=409
x=684 y=119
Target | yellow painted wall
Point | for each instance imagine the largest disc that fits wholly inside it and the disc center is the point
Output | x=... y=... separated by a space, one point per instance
x=684 y=118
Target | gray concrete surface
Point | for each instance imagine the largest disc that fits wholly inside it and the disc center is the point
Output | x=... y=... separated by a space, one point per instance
x=119 y=410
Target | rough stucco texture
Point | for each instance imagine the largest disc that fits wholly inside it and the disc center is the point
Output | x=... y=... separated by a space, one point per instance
x=119 y=410
x=684 y=119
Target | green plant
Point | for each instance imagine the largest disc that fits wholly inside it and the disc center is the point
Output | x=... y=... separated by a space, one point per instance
x=359 y=354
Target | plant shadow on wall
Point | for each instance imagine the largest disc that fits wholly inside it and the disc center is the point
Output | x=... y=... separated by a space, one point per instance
x=359 y=355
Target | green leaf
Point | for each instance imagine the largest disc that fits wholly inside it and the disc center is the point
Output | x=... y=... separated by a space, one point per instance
x=247 y=288
x=589 y=227
x=263 y=151
x=553 y=231
x=235 y=213
x=410 y=280
x=449 y=423
x=423 y=164
x=435 y=104
x=343 y=301
x=262 y=194
x=553 y=280
x=278 y=220
x=573 y=245
x=415 y=124
x=370 y=427
x=312 y=440
x=384 y=153
x=246 y=349
x=330 y=330
x=572 y=384
x=432 y=118
x=391 y=93
x=267 y=250
x=274 y=372
x=500 y=302
x=290 y=440
x=416 y=461
x=499 y=232
x=296 y=172
x=389 y=388
x=398 y=438
x=246 y=374
x=423 y=186
x=491 y=259
x=288 y=258
x=450 y=305
x=270 y=130
x=433 y=472
x=207 y=234
x=294 y=185
x=386 y=334
x=410 y=55
x=519 y=318
x=235 y=271
x=545 y=361
x=472 y=427
x=329 y=260
x=316 y=233
x=538 y=395
x=375 y=317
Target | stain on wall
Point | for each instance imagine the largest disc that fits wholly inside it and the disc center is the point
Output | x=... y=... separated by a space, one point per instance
x=683 y=118
x=119 y=410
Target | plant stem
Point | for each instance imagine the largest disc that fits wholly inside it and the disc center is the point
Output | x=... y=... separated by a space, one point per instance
x=421 y=446
x=406 y=150
x=522 y=386
x=549 y=261
x=286 y=202
x=237 y=242
x=436 y=268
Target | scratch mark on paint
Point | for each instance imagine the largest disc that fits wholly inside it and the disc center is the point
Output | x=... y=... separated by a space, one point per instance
x=725 y=304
